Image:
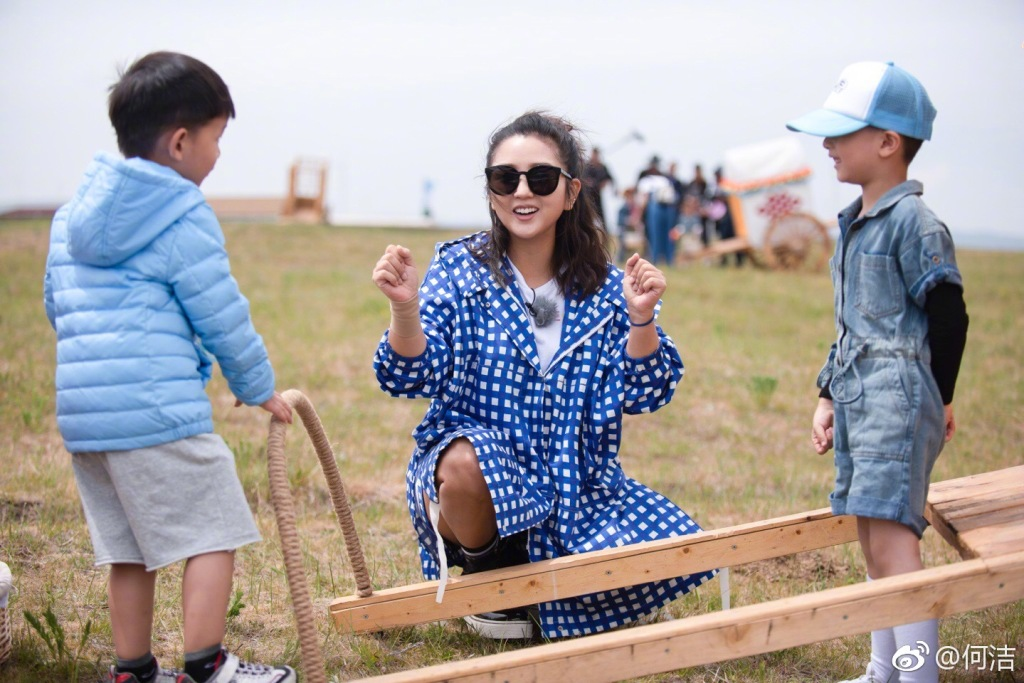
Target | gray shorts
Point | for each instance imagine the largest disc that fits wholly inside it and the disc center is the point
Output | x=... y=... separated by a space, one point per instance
x=158 y=505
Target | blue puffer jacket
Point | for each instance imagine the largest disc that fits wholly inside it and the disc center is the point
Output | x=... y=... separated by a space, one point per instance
x=137 y=284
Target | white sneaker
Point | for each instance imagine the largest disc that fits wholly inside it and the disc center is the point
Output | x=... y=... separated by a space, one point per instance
x=234 y=670
x=866 y=678
x=510 y=625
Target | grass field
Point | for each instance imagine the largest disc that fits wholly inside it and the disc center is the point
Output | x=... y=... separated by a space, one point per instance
x=732 y=447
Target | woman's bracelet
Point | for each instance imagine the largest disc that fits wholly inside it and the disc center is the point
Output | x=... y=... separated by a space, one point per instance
x=633 y=324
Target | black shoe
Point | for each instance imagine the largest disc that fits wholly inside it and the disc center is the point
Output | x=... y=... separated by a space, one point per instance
x=511 y=624
x=506 y=552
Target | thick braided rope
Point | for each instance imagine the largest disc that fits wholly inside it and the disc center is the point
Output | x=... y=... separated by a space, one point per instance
x=5 y=616
x=5 y=635
x=284 y=511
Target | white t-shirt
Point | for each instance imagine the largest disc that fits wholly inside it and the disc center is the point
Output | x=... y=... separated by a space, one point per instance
x=657 y=187
x=548 y=337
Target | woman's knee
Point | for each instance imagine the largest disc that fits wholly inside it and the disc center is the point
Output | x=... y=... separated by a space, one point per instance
x=458 y=466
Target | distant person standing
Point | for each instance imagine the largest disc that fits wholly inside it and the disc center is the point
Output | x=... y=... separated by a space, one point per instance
x=628 y=223
x=719 y=211
x=653 y=167
x=658 y=197
x=596 y=177
x=699 y=187
x=699 y=184
x=680 y=189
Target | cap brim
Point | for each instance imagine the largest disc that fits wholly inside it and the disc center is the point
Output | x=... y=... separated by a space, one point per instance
x=826 y=123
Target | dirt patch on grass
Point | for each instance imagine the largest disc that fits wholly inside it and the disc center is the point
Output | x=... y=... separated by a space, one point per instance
x=368 y=492
x=808 y=567
x=19 y=510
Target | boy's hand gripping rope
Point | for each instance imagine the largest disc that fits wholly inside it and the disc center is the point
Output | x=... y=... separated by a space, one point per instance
x=284 y=510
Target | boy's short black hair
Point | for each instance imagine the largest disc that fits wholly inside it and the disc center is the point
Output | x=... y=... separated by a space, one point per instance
x=160 y=91
x=911 y=146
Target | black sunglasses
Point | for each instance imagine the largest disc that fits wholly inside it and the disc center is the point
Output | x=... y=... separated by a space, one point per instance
x=542 y=180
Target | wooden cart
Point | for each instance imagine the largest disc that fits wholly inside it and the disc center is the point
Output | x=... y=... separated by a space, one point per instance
x=768 y=193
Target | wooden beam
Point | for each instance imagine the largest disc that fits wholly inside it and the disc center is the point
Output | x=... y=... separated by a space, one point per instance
x=980 y=515
x=723 y=247
x=984 y=484
x=746 y=631
x=591 y=572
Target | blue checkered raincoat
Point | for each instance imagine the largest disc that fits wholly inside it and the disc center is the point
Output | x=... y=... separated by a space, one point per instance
x=547 y=439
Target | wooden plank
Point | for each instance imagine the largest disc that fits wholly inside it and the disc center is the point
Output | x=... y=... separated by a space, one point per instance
x=993 y=518
x=591 y=572
x=977 y=507
x=948 y=533
x=994 y=540
x=234 y=208
x=980 y=515
x=723 y=247
x=746 y=631
x=984 y=484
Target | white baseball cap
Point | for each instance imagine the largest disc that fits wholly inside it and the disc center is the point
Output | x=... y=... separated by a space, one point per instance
x=878 y=94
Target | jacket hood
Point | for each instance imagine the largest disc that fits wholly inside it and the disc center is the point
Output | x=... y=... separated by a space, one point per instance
x=123 y=205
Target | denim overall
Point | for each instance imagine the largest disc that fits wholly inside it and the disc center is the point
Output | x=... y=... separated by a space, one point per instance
x=889 y=422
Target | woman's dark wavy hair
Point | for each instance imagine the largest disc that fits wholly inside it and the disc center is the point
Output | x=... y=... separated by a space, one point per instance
x=164 y=90
x=581 y=253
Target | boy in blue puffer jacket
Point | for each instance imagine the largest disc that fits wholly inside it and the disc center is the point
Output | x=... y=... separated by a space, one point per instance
x=138 y=287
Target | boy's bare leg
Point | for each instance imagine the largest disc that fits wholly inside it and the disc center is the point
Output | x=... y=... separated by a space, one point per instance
x=890 y=548
x=130 y=593
x=205 y=592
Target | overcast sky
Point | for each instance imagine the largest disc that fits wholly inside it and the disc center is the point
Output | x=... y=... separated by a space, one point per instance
x=394 y=93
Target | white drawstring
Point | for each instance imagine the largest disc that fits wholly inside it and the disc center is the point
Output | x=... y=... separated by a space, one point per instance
x=434 y=511
x=5 y=584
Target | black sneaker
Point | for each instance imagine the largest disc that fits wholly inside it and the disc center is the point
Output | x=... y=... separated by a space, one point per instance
x=507 y=552
x=511 y=624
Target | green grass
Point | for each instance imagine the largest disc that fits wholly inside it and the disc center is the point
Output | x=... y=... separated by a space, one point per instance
x=732 y=447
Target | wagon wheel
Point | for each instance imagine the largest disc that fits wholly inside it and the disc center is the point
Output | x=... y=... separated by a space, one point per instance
x=796 y=240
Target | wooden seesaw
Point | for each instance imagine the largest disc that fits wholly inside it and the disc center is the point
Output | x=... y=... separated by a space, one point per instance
x=981 y=516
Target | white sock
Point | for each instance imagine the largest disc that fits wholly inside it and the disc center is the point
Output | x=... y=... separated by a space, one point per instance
x=926 y=632
x=883 y=647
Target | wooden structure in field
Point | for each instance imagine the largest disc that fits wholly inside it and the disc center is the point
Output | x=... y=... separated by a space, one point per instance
x=982 y=516
x=305 y=201
x=307 y=188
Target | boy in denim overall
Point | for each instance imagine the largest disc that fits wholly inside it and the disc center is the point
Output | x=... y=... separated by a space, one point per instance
x=887 y=387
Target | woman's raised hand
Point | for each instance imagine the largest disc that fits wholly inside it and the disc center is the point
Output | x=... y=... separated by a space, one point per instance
x=395 y=274
x=643 y=287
